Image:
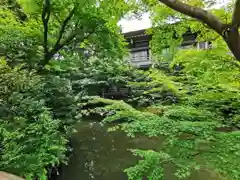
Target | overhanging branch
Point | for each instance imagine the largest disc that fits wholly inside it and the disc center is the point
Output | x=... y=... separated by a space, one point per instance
x=195 y=12
x=229 y=32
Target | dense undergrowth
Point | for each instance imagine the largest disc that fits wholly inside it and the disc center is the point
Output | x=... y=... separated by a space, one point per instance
x=44 y=53
x=58 y=57
x=30 y=131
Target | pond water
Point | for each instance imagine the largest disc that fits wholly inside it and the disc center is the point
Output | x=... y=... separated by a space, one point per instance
x=100 y=155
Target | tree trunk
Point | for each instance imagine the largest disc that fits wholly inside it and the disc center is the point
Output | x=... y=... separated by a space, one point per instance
x=233 y=41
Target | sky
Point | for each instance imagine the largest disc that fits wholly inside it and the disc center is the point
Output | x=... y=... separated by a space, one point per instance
x=145 y=22
x=135 y=24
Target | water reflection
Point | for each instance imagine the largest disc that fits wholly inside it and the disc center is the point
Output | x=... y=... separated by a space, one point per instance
x=99 y=155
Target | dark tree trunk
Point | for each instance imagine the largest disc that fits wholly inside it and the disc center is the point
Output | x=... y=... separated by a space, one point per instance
x=233 y=42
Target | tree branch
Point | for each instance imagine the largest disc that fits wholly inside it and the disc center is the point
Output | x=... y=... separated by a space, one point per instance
x=68 y=40
x=236 y=14
x=59 y=46
x=45 y=19
x=64 y=24
x=195 y=12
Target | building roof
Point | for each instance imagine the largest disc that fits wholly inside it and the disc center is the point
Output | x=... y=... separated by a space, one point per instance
x=137 y=33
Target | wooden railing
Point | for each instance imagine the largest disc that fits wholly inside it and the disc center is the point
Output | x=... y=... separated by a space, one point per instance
x=141 y=61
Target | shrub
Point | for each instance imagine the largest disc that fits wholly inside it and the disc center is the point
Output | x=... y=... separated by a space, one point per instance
x=29 y=132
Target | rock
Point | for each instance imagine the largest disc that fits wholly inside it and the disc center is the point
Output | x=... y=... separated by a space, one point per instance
x=7 y=176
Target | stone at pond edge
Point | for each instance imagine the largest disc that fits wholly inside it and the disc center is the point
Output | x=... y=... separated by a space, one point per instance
x=7 y=176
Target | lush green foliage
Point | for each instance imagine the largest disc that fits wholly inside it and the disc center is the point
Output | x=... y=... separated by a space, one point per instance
x=69 y=26
x=195 y=107
x=30 y=136
x=170 y=36
x=46 y=46
x=58 y=59
x=201 y=128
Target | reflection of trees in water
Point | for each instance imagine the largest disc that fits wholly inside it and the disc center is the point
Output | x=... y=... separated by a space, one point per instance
x=100 y=155
x=90 y=168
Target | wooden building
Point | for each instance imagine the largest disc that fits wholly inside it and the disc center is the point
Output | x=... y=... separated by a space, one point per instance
x=139 y=46
x=141 y=57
